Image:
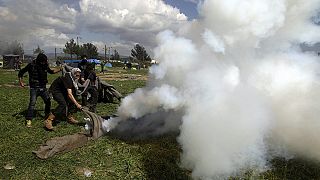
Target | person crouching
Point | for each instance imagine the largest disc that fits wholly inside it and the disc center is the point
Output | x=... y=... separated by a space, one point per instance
x=62 y=90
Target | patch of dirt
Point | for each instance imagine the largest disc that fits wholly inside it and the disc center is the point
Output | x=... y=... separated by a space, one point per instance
x=9 y=85
x=82 y=171
x=122 y=77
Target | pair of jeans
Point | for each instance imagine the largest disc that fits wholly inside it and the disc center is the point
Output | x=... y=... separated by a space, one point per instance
x=34 y=93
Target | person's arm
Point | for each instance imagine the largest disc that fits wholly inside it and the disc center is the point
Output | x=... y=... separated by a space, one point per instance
x=21 y=73
x=54 y=71
x=71 y=97
x=82 y=80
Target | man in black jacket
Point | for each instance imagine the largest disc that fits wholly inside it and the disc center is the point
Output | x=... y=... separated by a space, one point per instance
x=37 y=70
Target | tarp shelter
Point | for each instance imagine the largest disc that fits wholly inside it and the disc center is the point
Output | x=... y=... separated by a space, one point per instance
x=72 y=61
x=96 y=61
x=108 y=65
x=75 y=62
x=10 y=60
x=1 y=63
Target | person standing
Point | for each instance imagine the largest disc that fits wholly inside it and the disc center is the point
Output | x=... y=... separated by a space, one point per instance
x=102 y=64
x=89 y=74
x=62 y=90
x=83 y=64
x=38 y=80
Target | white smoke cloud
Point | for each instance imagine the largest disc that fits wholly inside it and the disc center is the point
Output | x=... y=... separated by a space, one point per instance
x=237 y=86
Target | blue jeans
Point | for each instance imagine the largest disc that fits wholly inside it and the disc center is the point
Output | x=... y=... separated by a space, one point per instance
x=34 y=93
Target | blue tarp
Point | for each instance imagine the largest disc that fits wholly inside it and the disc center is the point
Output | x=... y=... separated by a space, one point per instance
x=96 y=61
x=71 y=61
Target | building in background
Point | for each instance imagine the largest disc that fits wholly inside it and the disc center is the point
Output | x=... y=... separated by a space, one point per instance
x=11 y=61
x=1 y=62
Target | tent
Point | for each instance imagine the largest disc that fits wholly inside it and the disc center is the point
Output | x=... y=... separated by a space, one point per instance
x=108 y=65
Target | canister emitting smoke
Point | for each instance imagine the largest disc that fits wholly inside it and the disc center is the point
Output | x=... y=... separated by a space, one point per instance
x=236 y=85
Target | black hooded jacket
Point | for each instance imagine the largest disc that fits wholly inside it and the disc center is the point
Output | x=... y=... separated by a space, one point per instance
x=37 y=74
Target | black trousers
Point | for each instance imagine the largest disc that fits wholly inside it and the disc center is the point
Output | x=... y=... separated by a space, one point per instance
x=65 y=106
x=93 y=99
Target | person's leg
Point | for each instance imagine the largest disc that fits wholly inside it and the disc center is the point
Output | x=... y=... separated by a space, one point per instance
x=61 y=109
x=46 y=99
x=31 y=107
x=71 y=110
x=84 y=98
x=94 y=98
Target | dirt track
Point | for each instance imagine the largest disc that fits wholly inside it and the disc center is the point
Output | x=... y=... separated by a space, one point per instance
x=122 y=77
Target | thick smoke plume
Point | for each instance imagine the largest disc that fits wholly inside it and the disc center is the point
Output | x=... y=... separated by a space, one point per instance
x=236 y=85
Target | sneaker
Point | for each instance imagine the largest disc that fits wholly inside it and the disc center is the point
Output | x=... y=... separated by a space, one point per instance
x=28 y=124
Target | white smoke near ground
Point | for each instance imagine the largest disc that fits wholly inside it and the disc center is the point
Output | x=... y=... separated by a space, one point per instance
x=235 y=85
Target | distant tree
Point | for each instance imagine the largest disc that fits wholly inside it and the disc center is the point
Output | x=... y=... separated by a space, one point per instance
x=140 y=53
x=115 y=55
x=71 y=48
x=38 y=50
x=14 y=48
x=89 y=49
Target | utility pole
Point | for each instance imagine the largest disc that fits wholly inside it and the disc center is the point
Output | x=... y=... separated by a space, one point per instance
x=22 y=53
x=55 y=53
x=142 y=55
x=105 y=53
x=109 y=53
x=78 y=37
x=64 y=53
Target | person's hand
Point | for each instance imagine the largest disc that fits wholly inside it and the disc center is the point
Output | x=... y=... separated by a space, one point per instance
x=21 y=84
x=79 y=106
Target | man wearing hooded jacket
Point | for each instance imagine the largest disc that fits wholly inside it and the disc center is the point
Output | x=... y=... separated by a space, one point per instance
x=37 y=70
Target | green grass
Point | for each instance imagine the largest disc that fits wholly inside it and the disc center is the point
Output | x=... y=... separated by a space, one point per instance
x=107 y=157
x=9 y=77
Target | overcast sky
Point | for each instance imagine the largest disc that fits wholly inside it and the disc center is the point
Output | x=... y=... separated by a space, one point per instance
x=120 y=23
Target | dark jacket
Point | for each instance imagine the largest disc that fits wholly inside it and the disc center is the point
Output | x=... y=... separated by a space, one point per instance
x=61 y=84
x=37 y=74
x=83 y=64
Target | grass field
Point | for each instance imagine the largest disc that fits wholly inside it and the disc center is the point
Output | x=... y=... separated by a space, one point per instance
x=107 y=157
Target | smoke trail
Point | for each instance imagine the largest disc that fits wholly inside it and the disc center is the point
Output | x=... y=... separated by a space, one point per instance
x=236 y=85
